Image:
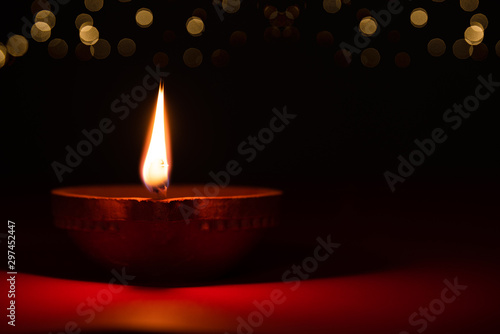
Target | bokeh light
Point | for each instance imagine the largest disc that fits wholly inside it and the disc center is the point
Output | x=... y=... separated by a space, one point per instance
x=83 y=20
x=89 y=35
x=40 y=31
x=324 y=38
x=46 y=16
x=160 y=59
x=101 y=49
x=474 y=35
x=368 y=26
x=332 y=6
x=144 y=17
x=3 y=55
x=462 y=49
x=469 y=5
x=370 y=57
x=480 y=52
x=231 y=6
x=195 y=26
x=419 y=17
x=436 y=47
x=238 y=38
x=126 y=47
x=480 y=20
x=58 y=48
x=82 y=52
x=17 y=45
x=402 y=60
x=94 y=5
x=292 y=12
x=192 y=57
x=220 y=58
x=270 y=12
x=497 y=48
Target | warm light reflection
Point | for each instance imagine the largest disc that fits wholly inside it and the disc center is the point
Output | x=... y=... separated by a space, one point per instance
x=40 y=31
x=474 y=35
x=370 y=57
x=195 y=26
x=462 y=50
x=192 y=57
x=17 y=45
x=469 y=5
x=419 y=17
x=231 y=6
x=436 y=47
x=144 y=17
x=156 y=163
x=46 y=16
x=3 y=55
x=83 y=20
x=479 y=20
x=101 y=49
x=126 y=47
x=368 y=26
x=89 y=35
x=58 y=48
x=94 y=5
x=332 y=6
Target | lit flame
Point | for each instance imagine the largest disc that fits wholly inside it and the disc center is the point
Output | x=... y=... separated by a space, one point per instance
x=156 y=162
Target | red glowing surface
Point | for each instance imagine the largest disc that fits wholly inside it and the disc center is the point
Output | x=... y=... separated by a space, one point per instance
x=369 y=303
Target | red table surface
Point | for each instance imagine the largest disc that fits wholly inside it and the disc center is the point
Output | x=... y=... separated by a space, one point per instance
x=379 y=302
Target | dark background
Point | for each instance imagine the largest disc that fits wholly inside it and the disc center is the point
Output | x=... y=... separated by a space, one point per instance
x=352 y=124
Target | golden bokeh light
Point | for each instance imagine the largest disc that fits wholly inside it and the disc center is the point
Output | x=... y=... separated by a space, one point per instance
x=271 y=34
x=101 y=49
x=324 y=38
x=82 y=52
x=270 y=12
x=419 y=17
x=480 y=52
x=46 y=16
x=238 y=38
x=292 y=12
x=192 y=57
x=332 y=6
x=479 y=20
x=462 y=49
x=220 y=58
x=58 y=48
x=497 y=48
x=231 y=6
x=469 y=5
x=94 y=5
x=83 y=20
x=126 y=47
x=89 y=35
x=17 y=45
x=291 y=34
x=370 y=57
x=436 y=47
x=160 y=59
x=402 y=60
x=195 y=26
x=144 y=17
x=368 y=26
x=474 y=35
x=40 y=31
x=3 y=55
